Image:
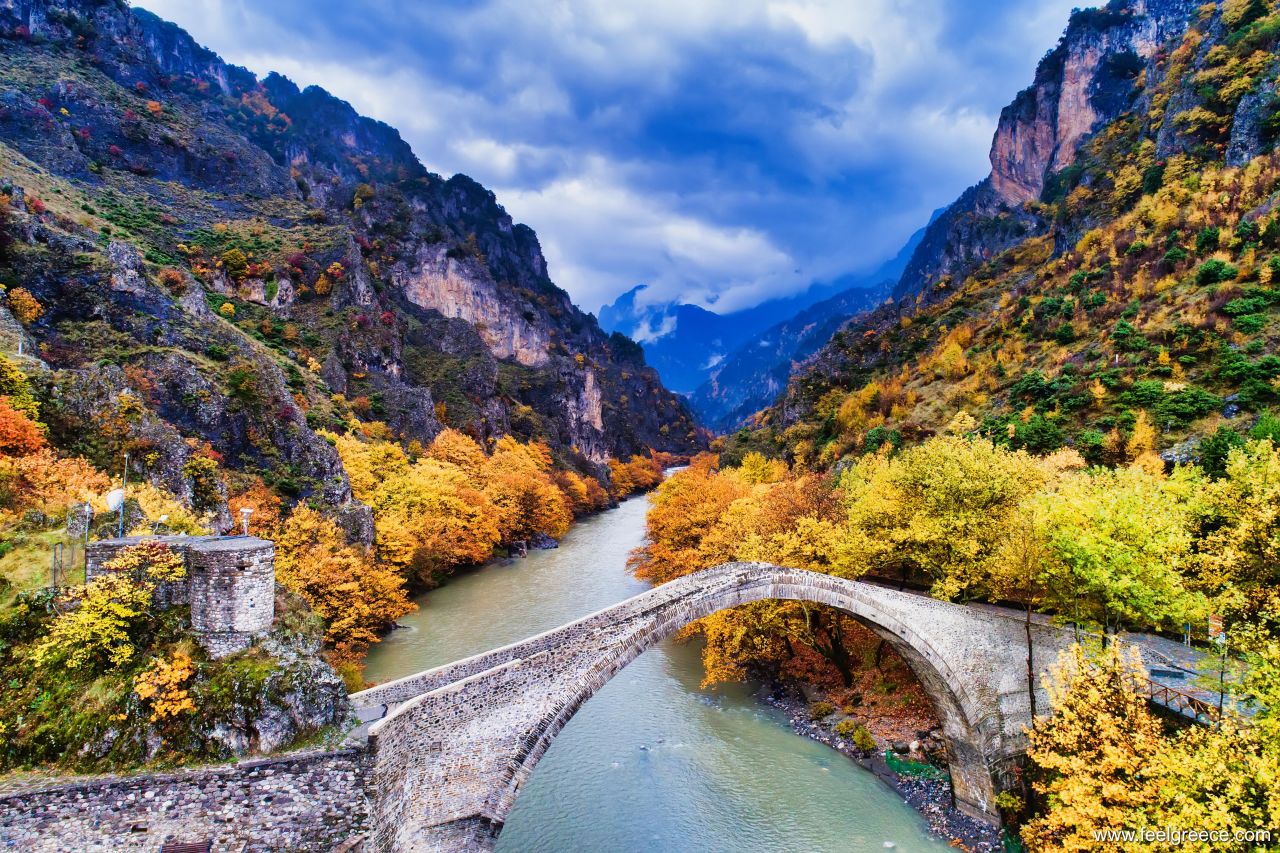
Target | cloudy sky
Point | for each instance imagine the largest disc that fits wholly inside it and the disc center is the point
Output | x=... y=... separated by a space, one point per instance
x=721 y=151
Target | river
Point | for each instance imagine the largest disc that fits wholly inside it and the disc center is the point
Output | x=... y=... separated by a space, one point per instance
x=652 y=762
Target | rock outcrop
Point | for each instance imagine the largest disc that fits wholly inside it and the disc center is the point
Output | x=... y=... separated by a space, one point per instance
x=252 y=262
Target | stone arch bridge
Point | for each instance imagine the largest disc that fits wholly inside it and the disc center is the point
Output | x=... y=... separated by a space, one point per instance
x=448 y=760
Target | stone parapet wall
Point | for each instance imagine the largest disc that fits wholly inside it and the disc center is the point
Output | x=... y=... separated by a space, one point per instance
x=305 y=802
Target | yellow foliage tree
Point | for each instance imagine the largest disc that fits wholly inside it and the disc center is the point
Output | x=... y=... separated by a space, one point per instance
x=1094 y=750
x=357 y=598
x=163 y=687
x=99 y=630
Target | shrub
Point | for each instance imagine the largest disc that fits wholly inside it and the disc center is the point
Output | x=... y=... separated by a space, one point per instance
x=235 y=263
x=821 y=710
x=1207 y=240
x=1250 y=324
x=1268 y=426
x=1186 y=405
x=24 y=306
x=173 y=281
x=1214 y=271
x=1038 y=435
x=1215 y=449
x=858 y=734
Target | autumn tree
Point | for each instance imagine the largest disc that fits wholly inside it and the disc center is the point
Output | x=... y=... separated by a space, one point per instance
x=19 y=434
x=356 y=597
x=101 y=628
x=1093 y=751
x=686 y=509
x=1239 y=558
x=939 y=508
x=24 y=306
x=1117 y=542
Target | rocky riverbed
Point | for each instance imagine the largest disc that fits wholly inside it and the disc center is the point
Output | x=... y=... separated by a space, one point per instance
x=930 y=797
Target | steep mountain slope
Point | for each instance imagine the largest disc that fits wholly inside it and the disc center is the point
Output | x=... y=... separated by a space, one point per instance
x=686 y=344
x=1111 y=285
x=224 y=265
x=753 y=376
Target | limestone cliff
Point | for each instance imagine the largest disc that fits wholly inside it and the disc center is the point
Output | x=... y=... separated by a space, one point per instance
x=1088 y=80
x=255 y=262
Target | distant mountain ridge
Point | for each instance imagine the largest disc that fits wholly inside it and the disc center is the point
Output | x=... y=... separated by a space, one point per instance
x=255 y=263
x=687 y=344
x=755 y=374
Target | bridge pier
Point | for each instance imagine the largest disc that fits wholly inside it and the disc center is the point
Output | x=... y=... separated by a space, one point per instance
x=449 y=761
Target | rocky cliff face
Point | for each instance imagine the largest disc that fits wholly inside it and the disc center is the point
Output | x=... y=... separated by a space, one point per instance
x=1117 y=264
x=1087 y=81
x=258 y=262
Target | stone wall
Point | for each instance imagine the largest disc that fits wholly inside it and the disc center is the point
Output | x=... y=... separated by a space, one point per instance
x=230 y=585
x=306 y=802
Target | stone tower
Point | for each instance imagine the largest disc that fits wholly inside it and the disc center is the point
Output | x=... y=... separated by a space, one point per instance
x=230 y=585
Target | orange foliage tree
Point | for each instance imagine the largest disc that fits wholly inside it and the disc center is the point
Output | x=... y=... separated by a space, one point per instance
x=357 y=598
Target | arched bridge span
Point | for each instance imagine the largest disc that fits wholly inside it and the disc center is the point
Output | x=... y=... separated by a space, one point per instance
x=449 y=760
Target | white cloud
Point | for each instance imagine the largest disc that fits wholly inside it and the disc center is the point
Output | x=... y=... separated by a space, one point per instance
x=601 y=237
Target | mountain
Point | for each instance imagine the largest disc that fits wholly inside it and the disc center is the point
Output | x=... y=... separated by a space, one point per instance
x=753 y=376
x=1111 y=285
x=687 y=343
x=681 y=341
x=225 y=265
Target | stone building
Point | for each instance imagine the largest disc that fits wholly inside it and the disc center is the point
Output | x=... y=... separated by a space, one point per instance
x=230 y=585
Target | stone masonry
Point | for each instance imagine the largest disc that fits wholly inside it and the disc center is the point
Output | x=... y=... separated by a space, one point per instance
x=448 y=760
x=307 y=802
x=230 y=585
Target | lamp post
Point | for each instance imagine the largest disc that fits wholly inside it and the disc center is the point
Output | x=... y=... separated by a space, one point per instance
x=1221 y=640
x=245 y=512
x=124 y=490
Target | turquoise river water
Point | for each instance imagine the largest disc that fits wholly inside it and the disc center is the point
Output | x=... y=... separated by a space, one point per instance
x=652 y=762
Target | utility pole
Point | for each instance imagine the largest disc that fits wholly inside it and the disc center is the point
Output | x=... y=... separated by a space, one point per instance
x=124 y=491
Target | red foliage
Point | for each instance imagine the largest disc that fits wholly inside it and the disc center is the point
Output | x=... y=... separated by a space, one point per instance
x=387 y=318
x=114 y=150
x=141 y=87
x=45 y=102
x=19 y=435
x=35 y=205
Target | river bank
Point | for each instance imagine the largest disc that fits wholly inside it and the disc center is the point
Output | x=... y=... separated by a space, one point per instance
x=930 y=797
x=653 y=761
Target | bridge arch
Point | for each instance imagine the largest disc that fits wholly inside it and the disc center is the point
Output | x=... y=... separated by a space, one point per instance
x=450 y=760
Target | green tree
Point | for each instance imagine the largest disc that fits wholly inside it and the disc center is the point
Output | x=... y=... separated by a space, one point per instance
x=1118 y=541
